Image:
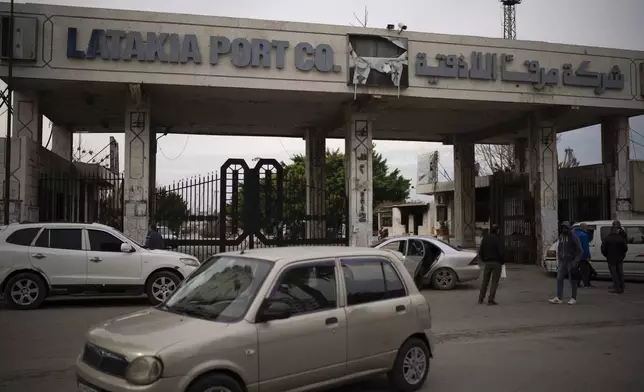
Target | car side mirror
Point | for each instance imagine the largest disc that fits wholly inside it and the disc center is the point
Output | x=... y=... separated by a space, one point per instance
x=274 y=310
x=126 y=248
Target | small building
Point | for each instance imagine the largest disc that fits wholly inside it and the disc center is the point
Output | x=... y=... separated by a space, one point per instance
x=413 y=217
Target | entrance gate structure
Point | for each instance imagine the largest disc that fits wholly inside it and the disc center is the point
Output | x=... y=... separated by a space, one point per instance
x=244 y=207
x=512 y=209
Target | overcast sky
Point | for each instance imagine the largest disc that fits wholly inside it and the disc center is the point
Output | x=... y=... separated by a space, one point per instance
x=607 y=23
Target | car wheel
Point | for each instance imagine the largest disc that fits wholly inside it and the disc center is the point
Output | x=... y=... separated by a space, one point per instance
x=161 y=285
x=444 y=279
x=25 y=291
x=215 y=383
x=411 y=367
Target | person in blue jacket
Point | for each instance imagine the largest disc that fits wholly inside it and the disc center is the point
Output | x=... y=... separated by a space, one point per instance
x=584 y=264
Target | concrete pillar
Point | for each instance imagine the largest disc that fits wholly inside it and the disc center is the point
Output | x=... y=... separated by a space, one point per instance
x=114 y=155
x=520 y=155
x=615 y=136
x=464 y=195
x=396 y=222
x=152 y=166
x=543 y=182
x=137 y=168
x=411 y=223
x=359 y=178
x=315 y=145
x=61 y=142
x=27 y=130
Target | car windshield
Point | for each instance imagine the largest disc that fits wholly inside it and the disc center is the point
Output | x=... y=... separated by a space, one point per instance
x=222 y=289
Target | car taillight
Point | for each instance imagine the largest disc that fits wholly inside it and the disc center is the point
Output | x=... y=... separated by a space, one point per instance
x=551 y=253
x=475 y=260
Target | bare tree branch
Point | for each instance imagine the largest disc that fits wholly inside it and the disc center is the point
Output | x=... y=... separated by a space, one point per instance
x=493 y=158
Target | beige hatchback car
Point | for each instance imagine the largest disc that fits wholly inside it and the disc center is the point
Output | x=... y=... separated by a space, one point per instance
x=269 y=320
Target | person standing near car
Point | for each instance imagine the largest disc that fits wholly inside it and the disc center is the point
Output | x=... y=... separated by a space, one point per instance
x=154 y=239
x=491 y=254
x=584 y=264
x=614 y=248
x=569 y=252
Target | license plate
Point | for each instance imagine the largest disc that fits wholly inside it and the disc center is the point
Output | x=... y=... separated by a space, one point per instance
x=85 y=388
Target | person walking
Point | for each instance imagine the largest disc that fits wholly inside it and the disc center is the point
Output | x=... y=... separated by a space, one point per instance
x=569 y=253
x=584 y=265
x=154 y=240
x=491 y=253
x=614 y=248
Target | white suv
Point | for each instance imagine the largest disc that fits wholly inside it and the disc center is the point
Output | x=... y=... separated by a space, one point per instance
x=38 y=260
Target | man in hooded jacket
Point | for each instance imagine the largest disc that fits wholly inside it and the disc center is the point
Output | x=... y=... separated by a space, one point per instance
x=614 y=248
x=569 y=253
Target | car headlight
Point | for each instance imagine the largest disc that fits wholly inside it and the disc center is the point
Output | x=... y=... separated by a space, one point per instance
x=144 y=370
x=190 y=262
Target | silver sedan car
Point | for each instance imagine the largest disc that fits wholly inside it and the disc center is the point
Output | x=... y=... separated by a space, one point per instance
x=432 y=261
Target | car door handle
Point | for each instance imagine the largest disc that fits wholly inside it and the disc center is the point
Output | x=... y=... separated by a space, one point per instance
x=331 y=320
x=95 y=259
x=400 y=308
x=39 y=256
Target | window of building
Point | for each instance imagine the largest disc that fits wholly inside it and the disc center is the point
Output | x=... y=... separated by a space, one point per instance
x=23 y=237
x=101 y=241
x=310 y=288
x=371 y=280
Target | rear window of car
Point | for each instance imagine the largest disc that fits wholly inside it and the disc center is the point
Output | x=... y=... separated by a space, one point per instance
x=23 y=237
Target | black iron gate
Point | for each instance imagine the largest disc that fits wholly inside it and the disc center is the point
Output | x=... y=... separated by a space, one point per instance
x=248 y=207
x=512 y=209
x=584 y=199
x=81 y=197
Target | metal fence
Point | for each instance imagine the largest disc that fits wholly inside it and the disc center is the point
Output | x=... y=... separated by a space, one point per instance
x=248 y=207
x=81 y=197
x=584 y=199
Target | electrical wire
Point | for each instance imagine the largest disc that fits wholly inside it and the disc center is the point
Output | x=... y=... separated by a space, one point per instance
x=178 y=156
x=285 y=150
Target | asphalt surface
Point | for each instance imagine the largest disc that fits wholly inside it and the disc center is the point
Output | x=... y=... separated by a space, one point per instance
x=525 y=344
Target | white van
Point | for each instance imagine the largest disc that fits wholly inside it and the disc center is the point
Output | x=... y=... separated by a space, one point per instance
x=597 y=231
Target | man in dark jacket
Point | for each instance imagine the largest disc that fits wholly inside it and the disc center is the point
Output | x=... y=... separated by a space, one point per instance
x=569 y=253
x=154 y=240
x=491 y=254
x=614 y=248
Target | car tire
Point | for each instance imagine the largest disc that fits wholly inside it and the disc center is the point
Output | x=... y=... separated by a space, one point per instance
x=25 y=291
x=213 y=381
x=444 y=279
x=161 y=285
x=412 y=358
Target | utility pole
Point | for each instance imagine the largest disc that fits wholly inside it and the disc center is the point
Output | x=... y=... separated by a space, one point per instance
x=8 y=101
x=510 y=18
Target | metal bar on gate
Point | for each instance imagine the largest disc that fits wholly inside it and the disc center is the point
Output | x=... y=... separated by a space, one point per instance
x=7 y=146
x=222 y=209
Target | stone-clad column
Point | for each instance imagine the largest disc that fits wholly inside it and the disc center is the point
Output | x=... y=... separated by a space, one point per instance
x=359 y=178
x=615 y=136
x=544 y=183
x=137 y=163
x=27 y=128
x=315 y=183
x=464 y=194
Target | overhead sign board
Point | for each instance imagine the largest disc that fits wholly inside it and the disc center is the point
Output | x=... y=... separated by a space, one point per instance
x=119 y=45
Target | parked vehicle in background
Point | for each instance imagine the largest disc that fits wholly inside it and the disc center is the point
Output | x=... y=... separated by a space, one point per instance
x=597 y=231
x=434 y=262
x=38 y=260
x=276 y=319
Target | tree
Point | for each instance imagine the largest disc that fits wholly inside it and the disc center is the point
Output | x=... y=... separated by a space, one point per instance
x=494 y=158
x=388 y=185
x=170 y=209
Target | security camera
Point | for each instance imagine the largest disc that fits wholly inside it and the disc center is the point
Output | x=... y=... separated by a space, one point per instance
x=402 y=26
x=390 y=26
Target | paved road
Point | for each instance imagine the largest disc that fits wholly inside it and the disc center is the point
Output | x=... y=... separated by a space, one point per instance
x=523 y=345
